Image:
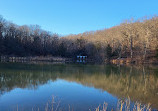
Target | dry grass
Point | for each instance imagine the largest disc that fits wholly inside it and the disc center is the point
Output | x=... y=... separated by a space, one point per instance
x=122 y=105
x=125 y=106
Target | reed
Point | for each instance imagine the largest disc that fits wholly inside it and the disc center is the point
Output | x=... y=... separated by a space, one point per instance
x=122 y=105
x=125 y=106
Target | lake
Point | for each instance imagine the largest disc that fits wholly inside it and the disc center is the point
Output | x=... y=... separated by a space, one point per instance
x=77 y=87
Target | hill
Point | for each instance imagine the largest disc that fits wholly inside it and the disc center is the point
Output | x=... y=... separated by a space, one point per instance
x=134 y=41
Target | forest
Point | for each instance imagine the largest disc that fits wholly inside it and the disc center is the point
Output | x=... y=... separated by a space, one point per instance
x=133 y=40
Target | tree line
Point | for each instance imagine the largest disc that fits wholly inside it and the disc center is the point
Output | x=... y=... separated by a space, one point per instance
x=130 y=39
x=27 y=40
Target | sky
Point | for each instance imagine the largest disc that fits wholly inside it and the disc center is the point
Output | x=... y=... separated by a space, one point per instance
x=75 y=16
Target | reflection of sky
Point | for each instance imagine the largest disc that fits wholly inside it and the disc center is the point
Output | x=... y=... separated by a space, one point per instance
x=79 y=97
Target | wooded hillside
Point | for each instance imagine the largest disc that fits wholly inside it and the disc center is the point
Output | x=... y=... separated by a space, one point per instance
x=133 y=39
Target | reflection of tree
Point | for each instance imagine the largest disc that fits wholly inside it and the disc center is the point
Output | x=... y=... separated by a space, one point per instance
x=20 y=79
x=120 y=81
x=145 y=81
x=129 y=80
x=31 y=76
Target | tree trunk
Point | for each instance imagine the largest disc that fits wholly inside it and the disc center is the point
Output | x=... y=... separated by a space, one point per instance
x=131 y=48
x=145 y=50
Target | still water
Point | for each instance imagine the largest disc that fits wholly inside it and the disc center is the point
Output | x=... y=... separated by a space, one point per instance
x=27 y=87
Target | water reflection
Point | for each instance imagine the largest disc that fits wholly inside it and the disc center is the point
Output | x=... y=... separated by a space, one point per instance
x=76 y=84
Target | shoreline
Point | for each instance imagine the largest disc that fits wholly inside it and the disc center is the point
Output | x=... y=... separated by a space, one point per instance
x=53 y=59
x=34 y=59
x=135 y=61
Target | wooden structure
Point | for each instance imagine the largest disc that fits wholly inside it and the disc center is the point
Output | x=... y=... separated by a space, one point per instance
x=81 y=59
